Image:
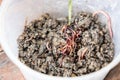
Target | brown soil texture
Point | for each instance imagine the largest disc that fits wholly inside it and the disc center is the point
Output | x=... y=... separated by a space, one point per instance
x=52 y=47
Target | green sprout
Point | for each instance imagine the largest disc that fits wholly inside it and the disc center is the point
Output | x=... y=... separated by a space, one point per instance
x=69 y=11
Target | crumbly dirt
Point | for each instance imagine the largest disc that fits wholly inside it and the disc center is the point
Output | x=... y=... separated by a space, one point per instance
x=52 y=47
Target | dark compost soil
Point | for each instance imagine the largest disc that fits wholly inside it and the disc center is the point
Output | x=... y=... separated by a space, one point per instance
x=52 y=47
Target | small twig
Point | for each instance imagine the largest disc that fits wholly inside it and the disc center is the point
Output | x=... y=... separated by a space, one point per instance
x=109 y=21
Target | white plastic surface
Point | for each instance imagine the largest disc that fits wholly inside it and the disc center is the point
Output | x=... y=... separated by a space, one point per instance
x=14 y=13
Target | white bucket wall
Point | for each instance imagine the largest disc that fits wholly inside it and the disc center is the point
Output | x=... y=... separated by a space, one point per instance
x=12 y=20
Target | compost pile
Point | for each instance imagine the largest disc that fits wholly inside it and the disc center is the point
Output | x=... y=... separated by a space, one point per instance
x=51 y=46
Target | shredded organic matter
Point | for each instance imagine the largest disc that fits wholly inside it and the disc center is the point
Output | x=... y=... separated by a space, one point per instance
x=54 y=47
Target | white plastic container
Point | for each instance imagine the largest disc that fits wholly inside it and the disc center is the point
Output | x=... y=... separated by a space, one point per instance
x=12 y=20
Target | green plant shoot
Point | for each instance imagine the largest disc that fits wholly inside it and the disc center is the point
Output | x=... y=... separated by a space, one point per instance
x=69 y=11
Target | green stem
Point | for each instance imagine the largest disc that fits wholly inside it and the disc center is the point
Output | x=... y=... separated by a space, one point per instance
x=69 y=11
